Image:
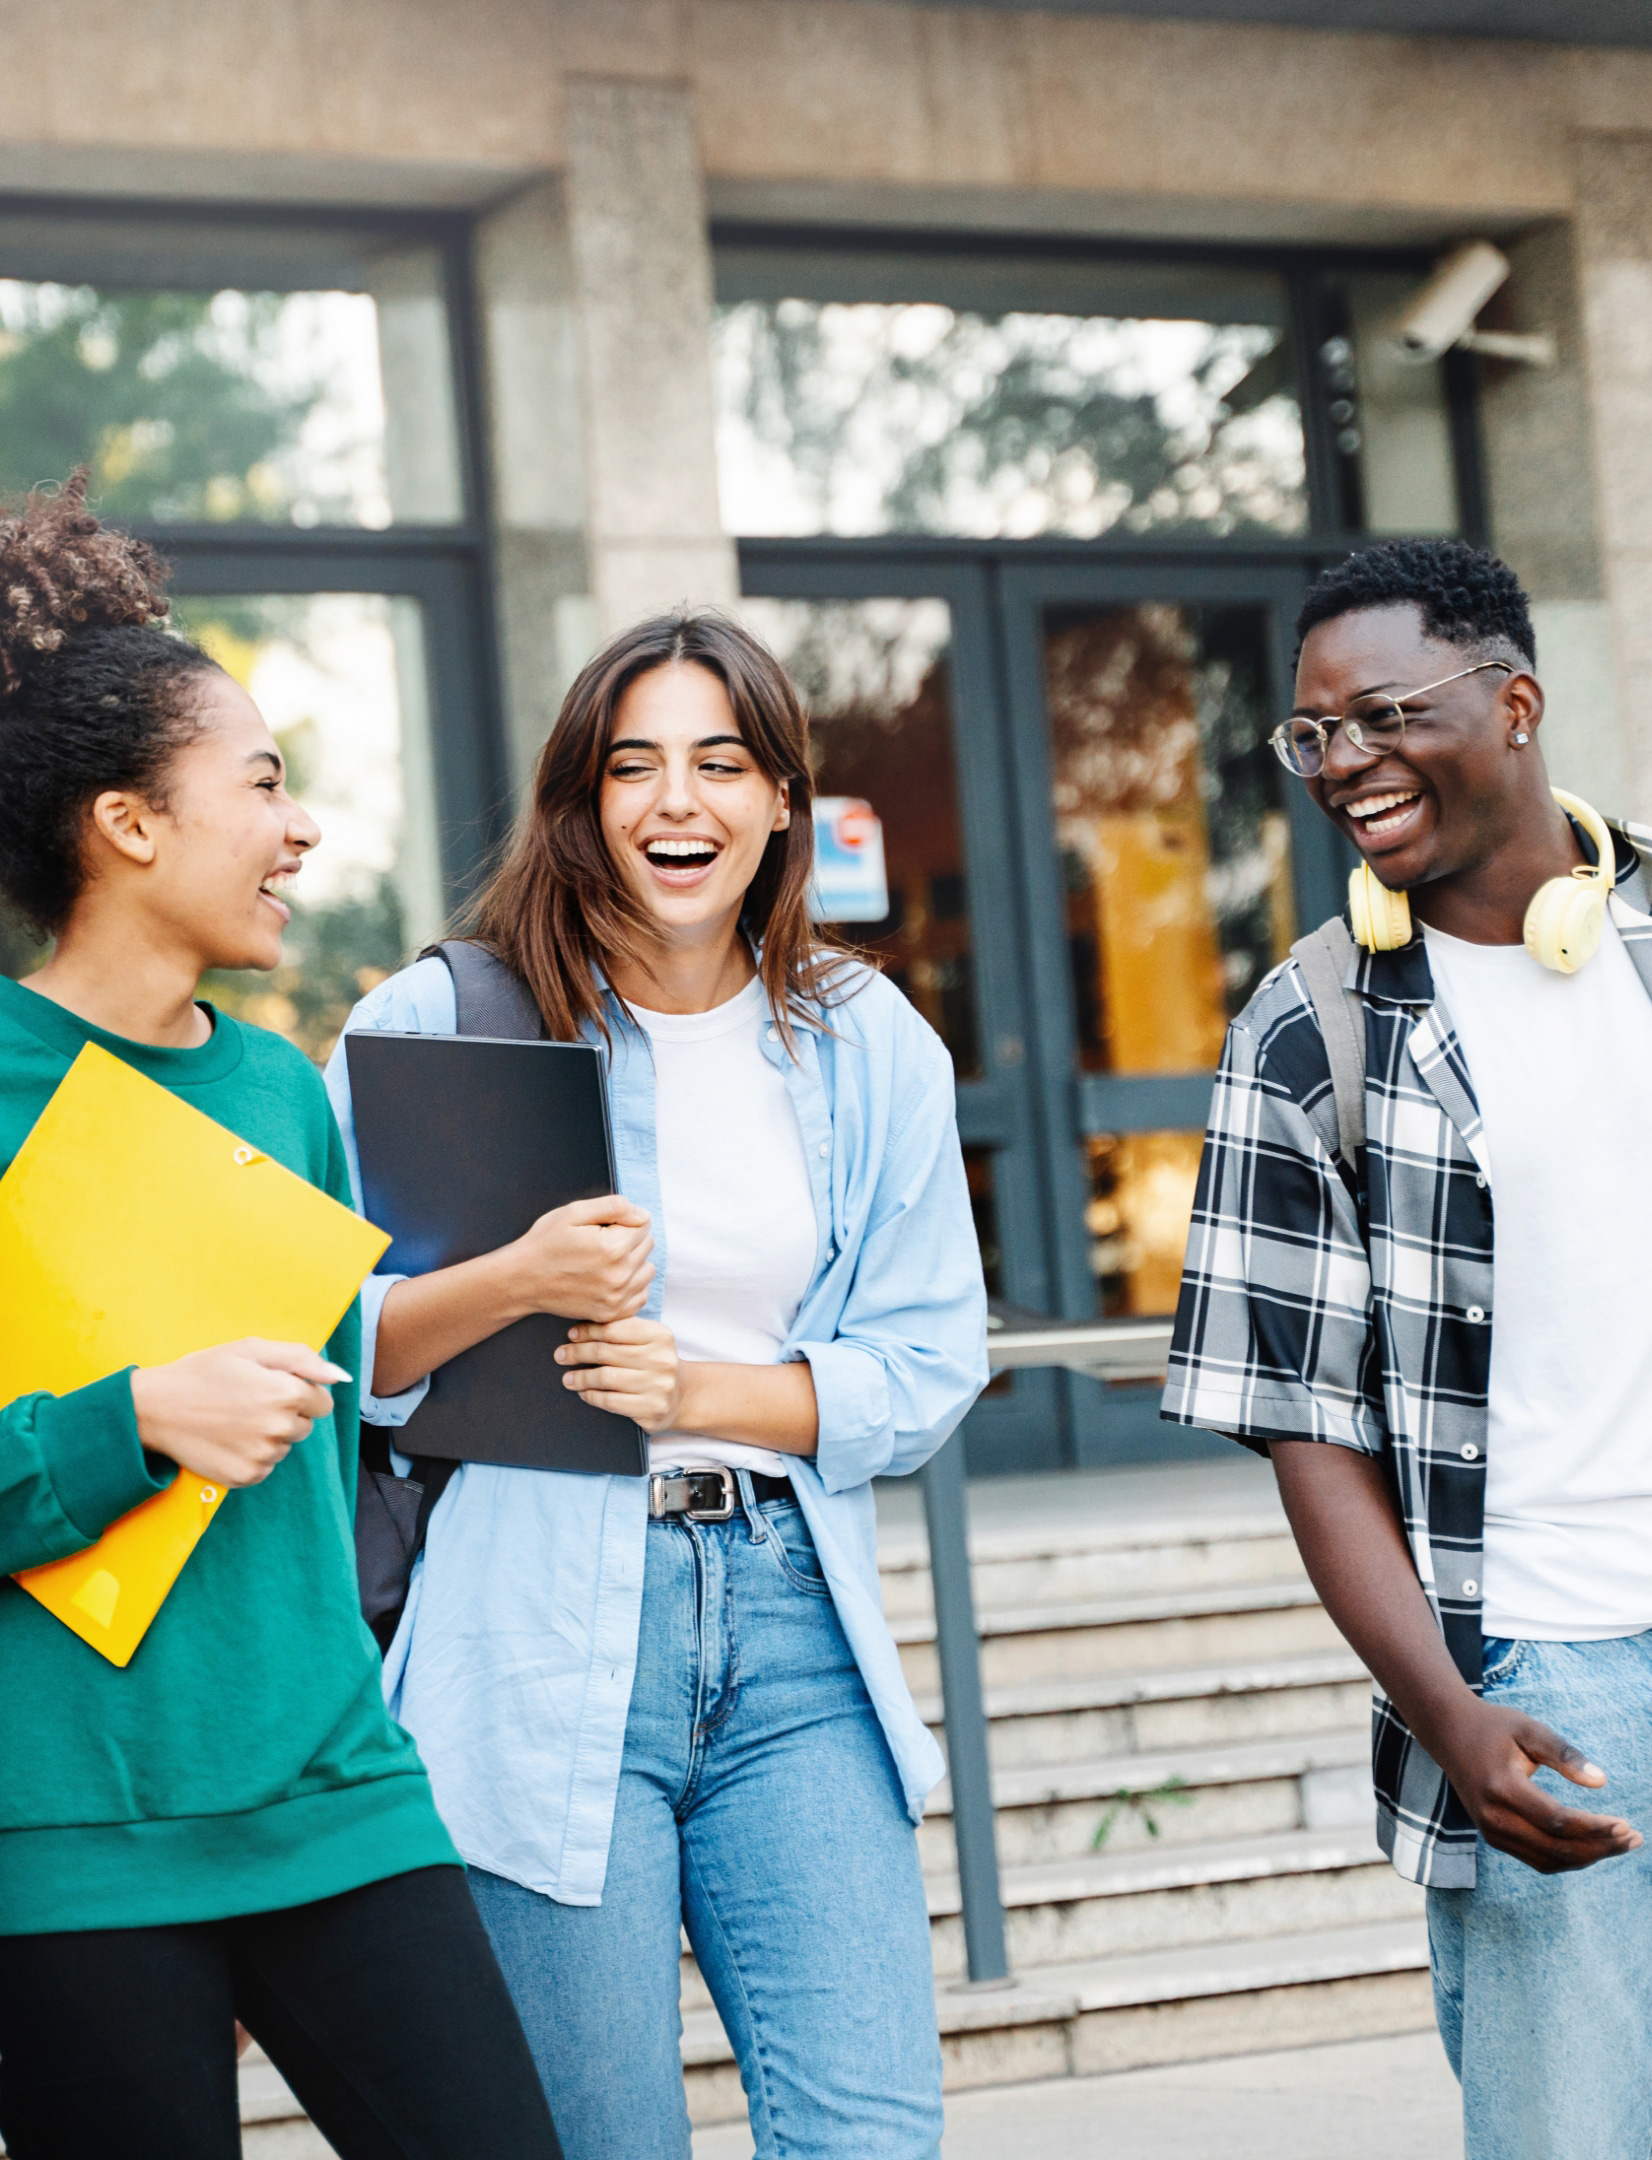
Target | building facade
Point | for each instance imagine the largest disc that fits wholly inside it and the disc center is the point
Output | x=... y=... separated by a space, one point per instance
x=1010 y=370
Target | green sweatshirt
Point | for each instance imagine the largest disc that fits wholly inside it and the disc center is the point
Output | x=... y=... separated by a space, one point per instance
x=244 y=1760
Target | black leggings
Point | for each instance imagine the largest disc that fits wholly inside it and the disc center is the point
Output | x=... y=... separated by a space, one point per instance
x=383 y=2009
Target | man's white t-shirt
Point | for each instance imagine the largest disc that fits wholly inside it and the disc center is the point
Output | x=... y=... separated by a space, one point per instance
x=739 y=1216
x=1562 y=1071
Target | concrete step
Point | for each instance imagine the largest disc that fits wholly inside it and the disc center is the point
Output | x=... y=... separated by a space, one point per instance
x=1156 y=2006
x=1116 y=1904
x=1042 y=1643
x=1184 y=1706
x=1111 y=1533
x=1048 y=1568
x=1172 y=1796
x=1102 y=1905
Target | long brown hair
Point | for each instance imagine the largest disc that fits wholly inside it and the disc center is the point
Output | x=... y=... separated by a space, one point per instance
x=556 y=907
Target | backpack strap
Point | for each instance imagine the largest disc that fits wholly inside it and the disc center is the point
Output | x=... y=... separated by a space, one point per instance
x=1323 y=957
x=492 y=999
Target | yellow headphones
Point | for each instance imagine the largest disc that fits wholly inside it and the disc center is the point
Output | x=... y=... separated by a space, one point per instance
x=1563 y=923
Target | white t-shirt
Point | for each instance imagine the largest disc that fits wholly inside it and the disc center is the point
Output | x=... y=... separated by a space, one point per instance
x=1562 y=1069
x=739 y=1230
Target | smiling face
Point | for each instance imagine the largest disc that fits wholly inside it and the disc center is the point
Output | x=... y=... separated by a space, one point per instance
x=209 y=867
x=1458 y=788
x=686 y=810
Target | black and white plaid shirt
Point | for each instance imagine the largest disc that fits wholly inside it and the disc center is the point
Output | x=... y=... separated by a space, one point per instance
x=1298 y=1320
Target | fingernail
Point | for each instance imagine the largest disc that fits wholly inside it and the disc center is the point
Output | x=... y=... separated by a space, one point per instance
x=335 y=1372
x=1591 y=1769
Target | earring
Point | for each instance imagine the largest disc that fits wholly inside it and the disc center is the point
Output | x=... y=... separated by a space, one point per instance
x=1522 y=737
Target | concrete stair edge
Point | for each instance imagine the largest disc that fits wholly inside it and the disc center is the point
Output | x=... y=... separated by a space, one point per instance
x=1059 y=1993
x=1172 y=1867
x=1049 y=1784
x=1072 y=1614
x=1171 y=1683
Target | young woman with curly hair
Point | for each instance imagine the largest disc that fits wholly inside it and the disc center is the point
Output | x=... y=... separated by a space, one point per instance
x=231 y=1827
x=651 y=1705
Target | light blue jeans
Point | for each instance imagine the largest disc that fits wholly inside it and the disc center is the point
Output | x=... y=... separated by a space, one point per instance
x=1543 y=1983
x=758 y=1806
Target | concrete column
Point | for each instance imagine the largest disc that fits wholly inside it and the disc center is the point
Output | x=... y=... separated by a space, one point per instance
x=1614 y=228
x=641 y=269
x=596 y=319
x=531 y=358
x=1541 y=474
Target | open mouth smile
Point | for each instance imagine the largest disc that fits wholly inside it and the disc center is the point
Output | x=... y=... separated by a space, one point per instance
x=277 y=883
x=680 y=860
x=1377 y=816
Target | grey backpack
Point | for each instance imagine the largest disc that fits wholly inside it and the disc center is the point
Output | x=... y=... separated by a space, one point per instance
x=393 y=1513
x=1323 y=957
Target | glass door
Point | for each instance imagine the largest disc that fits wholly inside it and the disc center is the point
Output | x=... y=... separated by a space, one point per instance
x=1168 y=866
x=896 y=664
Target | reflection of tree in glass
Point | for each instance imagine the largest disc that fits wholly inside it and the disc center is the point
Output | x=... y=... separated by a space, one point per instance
x=1156 y=708
x=888 y=418
x=874 y=677
x=176 y=400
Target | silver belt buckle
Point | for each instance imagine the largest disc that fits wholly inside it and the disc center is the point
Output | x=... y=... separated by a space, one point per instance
x=673 y=1494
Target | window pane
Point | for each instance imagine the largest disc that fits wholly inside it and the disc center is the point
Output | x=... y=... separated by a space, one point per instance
x=1141 y=1202
x=1001 y=401
x=324 y=407
x=1174 y=841
x=340 y=679
x=875 y=677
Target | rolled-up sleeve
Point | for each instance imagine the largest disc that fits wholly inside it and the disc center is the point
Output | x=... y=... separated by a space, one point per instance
x=909 y=1353
x=1273 y=1337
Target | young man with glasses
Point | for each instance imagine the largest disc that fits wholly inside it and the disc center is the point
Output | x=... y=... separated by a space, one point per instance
x=1461 y=1311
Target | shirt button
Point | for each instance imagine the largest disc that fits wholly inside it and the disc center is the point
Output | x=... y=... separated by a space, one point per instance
x=825 y=1147
x=1469 y=1452
x=1471 y=1588
x=1479 y=1175
x=1475 y=1312
x=774 y=1036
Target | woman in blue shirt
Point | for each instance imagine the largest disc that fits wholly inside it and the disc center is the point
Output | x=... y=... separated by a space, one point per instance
x=650 y=1705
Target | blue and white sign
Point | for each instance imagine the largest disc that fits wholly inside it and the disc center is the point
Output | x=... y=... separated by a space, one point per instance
x=850 y=882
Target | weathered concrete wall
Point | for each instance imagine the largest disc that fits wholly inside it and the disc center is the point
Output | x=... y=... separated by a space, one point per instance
x=1614 y=226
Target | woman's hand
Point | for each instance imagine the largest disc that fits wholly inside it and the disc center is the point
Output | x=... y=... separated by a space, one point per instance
x=231 y=1413
x=586 y=1261
x=627 y=1366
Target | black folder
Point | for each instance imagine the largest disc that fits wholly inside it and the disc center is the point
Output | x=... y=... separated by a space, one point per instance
x=464 y=1142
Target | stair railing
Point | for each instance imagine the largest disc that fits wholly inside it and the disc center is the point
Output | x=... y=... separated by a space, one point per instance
x=1104 y=1350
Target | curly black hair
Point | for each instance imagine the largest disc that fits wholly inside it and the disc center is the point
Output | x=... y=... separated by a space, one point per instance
x=1465 y=595
x=92 y=694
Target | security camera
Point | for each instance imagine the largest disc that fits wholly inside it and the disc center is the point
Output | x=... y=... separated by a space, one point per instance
x=1440 y=314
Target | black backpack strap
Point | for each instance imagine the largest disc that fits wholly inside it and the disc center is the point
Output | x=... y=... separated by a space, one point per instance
x=492 y=999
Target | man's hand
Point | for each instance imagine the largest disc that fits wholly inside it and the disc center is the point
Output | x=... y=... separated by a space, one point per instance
x=626 y=1366
x=586 y=1261
x=1493 y=1758
x=1356 y=1556
x=230 y=1414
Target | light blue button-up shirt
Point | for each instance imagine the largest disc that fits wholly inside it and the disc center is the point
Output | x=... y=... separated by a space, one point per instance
x=513 y=1663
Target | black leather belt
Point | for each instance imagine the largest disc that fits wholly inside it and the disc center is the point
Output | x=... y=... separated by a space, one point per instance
x=708 y=1495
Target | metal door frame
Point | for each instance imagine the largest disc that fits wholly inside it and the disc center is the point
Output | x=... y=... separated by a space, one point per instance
x=1108 y=1423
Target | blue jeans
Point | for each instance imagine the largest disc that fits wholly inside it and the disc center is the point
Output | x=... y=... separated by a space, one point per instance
x=1543 y=1983
x=758 y=1807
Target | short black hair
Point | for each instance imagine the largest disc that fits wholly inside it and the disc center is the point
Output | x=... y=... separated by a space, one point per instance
x=1465 y=595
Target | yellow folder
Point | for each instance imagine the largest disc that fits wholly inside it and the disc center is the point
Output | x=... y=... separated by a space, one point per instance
x=134 y=1230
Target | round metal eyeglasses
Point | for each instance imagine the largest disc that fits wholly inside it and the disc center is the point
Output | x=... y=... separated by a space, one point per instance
x=1374 y=724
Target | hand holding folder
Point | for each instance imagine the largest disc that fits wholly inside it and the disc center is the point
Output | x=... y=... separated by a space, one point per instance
x=133 y=1231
